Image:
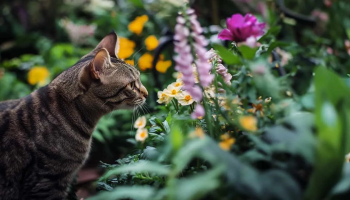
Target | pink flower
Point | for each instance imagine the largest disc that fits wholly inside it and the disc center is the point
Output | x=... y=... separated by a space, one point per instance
x=198 y=112
x=240 y=28
x=196 y=92
x=222 y=71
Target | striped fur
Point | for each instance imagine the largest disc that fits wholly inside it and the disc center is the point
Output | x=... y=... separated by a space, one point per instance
x=46 y=137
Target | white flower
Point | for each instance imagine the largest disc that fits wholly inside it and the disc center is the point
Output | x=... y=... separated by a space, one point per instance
x=141 y=134
x=177 y=84
x=171 y=90
x=163 y=97
x=184 y=98
x=140 y=122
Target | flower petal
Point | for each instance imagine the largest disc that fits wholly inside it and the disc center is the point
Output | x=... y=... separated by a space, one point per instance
x=225 y=35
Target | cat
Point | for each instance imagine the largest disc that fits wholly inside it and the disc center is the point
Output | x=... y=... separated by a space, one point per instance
x=45 y=137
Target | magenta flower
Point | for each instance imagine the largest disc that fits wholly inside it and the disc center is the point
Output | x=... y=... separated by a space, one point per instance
x=240 y=28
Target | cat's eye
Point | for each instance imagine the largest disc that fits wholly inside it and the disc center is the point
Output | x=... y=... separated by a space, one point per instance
x=132 y=85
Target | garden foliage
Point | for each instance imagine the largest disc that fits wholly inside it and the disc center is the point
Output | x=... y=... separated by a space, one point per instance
x=258 y=106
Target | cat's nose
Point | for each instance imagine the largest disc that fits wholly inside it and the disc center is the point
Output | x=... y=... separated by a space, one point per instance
x=144 y=91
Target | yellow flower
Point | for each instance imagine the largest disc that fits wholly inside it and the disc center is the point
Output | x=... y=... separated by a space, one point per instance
x=256 y=108
x=163 y=97
x=136 y=26
x=130 y=62
x=162 y=66
x=145 y=61
x=38 y=75
x=249 y=123
x=140 y=122
x=198 y=132
x=141 y=134
x=151 y=42
x=226 y=142
x=172 y=91
x=126 y=48
x=184 y=98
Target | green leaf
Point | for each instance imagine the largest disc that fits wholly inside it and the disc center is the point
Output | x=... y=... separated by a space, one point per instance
x=137 y=3
x=198 y=186
x=138 y=167
x=333 y=121
x=247 y=52
x=275 y=44
x=186 y=154
x=122 y=192
x=226 y=55
x=273 y=31
x=176 y=137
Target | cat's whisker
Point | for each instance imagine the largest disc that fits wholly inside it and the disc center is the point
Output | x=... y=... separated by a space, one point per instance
x=133 y=55
x=132 y=119
x=140 y=105
x=104 y=103
x=146 y=108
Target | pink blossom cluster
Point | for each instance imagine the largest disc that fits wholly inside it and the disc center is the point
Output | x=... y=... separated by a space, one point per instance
x=220 y=69
x=185 y=59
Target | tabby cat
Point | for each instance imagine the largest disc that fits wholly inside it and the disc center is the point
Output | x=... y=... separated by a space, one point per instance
x=46 y=137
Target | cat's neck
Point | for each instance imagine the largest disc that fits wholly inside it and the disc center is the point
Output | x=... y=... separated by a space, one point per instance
x=73 y=112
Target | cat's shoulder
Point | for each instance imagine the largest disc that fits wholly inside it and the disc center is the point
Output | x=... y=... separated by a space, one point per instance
x=8 y=105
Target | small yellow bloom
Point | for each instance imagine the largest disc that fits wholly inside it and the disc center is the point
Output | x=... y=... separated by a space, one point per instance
x=184 y=98
x=141 y=134
x=249 y=123
x=198 y=132
x=130 y=62
x=172 y=91
x=38 y=75
x=145 y=61
x=151 y=42
x=256 y=108
x=226 y=142
x=136 y=26
x=126 y=48
x=140 y=122
x=163 y=97
x=162 y=66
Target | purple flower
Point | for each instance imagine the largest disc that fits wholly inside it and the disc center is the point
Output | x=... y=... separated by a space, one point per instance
x=185 y=59
x=240 y=28
x=198 y=112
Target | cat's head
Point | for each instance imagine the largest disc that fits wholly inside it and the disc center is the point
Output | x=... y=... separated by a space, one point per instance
x=103 y=80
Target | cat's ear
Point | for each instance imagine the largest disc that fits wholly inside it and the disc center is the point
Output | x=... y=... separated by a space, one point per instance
x=95 y=69
x=110 y=43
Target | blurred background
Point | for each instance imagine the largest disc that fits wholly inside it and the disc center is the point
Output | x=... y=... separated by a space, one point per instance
x=41 y=38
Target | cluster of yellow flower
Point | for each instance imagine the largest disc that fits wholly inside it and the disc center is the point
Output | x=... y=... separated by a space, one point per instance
x=127 y=47
x=174 y=90
x=141 y=133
